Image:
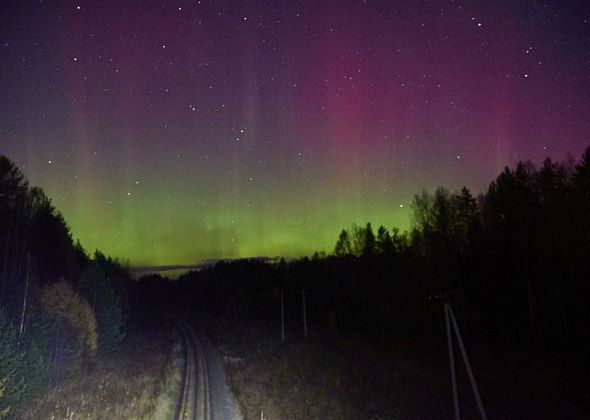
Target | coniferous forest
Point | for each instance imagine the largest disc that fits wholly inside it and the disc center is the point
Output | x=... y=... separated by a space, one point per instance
x=59 y=307
x=512 y=261
x=295 y=210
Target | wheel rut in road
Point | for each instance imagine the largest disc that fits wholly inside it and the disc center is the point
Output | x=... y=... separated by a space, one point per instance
x=203 y=394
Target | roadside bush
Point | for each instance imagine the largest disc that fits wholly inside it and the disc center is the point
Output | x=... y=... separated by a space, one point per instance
x=68 y=307
x=12 y=382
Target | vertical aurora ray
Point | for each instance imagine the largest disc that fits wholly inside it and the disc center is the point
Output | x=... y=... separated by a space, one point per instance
x=184 y=131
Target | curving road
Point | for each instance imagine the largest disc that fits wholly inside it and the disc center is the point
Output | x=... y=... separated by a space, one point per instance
x=204 y=394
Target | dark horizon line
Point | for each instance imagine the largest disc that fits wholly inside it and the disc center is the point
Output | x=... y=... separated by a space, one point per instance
x=202 y=264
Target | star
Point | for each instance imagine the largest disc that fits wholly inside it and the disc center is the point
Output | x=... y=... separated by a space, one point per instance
x=345 y=101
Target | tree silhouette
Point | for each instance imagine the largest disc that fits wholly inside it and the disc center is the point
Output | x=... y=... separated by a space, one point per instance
x=384 y=243
x=343 y=244
x=369 y=242
x=467 y=215
x=98 y=292
x=581 y=183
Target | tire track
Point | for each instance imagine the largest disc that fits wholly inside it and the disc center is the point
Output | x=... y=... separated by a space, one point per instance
x=194 y=402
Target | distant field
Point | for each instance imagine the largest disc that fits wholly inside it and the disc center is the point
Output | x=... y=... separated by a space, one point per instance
x=172 y=273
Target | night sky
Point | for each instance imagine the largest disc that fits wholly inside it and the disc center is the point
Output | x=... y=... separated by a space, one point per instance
x=171 y=132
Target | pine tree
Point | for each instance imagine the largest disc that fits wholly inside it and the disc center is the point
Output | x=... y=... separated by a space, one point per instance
x=97 y=289
x=384 y=241
x=581 y=181
x=370 y=241
x=467 y=223
x=343 y=245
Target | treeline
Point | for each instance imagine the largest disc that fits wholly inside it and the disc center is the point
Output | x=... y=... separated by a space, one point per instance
x=513 y=262
x=59 y=308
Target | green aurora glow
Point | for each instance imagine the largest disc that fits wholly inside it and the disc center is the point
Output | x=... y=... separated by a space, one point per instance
x=169 y=134
x=172 y=225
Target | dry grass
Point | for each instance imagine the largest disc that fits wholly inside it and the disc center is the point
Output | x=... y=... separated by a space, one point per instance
x=314 y=379
x=337 y=377
x=138 y=382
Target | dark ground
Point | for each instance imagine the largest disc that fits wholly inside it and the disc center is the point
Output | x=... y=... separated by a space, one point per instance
x=130 y=383
x=329 y=377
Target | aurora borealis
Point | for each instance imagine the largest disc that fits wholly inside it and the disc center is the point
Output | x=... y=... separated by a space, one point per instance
x=176 y=131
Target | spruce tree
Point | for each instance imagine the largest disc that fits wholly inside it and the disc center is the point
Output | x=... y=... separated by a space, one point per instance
x=97 y=289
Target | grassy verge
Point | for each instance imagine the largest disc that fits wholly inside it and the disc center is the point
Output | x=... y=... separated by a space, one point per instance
x=137 y=382
x=337 y=377
x=319 y=378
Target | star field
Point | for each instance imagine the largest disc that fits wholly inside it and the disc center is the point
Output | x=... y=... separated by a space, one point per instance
x=174 y=131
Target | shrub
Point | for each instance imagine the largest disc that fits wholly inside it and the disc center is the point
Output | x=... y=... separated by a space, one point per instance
x=67 y=306
x=12 y=382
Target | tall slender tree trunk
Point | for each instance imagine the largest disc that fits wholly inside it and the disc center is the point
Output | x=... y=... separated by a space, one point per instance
x=282 y=316
x=528 y=281
x=460 y=287
x=56 y=365
x=5 y=260
x=304 y=312
x=19 y=258
x=26 y=294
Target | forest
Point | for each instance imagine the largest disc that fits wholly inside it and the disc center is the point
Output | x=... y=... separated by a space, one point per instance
x=512 y=261
x=59 y=307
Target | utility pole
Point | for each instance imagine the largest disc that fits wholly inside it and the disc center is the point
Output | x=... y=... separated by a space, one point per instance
x=304 y=312
x=452 y=365
x=26 y=294
x=451 y=323
x=282 y=316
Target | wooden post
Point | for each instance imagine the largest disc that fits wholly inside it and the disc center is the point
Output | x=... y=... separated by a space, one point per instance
x=282 y=317
x=480 y=407
x=528 y=281
x=452 y=364
x=22 y=317
x=304 y=313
